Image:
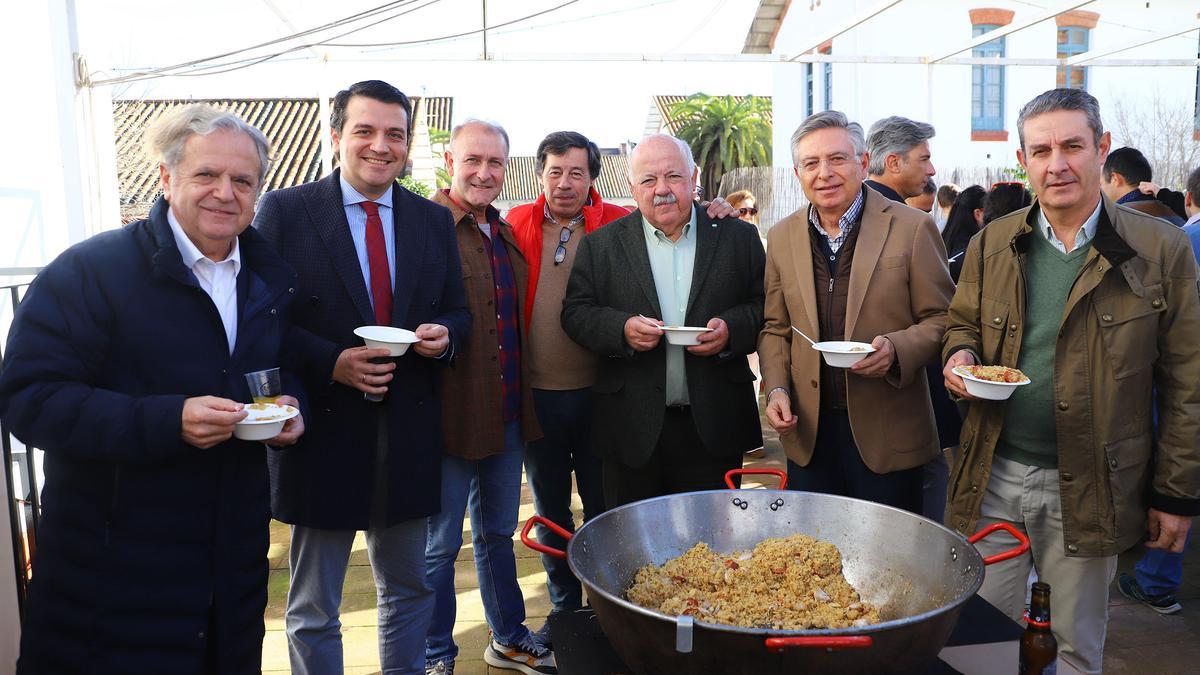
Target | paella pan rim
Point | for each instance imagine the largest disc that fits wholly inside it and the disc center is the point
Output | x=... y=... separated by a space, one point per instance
x=964 y=548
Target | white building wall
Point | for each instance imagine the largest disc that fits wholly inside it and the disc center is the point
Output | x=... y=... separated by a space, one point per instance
x=941 y=94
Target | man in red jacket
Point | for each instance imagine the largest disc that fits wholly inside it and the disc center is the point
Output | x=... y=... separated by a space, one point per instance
x=561 y=372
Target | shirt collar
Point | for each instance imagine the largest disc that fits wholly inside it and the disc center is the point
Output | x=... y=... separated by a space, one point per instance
x=1134 y=195
x=352 y=196
x=1086 y=233
x=493 y=214
x=848 y=219
x=191 y=254
x=654 y=234
x=574 y=221
x=885 y=190
x=1193 y=220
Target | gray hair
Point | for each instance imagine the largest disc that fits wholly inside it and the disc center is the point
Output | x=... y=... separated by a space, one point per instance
x=829 y=119
x=894 y=136
x=475 y=122
x=684 y=149
x=1063 y=99
x=167 y=136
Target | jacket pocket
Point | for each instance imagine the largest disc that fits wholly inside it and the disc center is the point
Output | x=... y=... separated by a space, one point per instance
x=993 y=320
x=466 y=269
x=1127 y=465
x=1129 y=329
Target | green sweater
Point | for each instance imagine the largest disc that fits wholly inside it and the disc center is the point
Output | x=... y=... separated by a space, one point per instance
x=1029 y=435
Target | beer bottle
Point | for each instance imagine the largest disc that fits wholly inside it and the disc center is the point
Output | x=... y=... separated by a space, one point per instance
x=1039 y=649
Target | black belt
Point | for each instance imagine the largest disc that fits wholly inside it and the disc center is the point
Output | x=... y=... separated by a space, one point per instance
x=679 y=407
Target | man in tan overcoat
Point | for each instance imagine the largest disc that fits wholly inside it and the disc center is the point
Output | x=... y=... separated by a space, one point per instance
x=852 y=266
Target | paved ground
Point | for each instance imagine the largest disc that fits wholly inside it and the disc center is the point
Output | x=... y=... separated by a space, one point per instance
x=1139 y=640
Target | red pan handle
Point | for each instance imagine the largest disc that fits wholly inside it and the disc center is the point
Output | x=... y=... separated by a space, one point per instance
x=755 y=472
x=542 y=548
x=779 y=644
x=1022 y=542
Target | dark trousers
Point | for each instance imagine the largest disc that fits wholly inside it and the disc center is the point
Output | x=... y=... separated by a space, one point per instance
x=679 y=463
x=837 y=469
x=566 y=421
x=936 y=473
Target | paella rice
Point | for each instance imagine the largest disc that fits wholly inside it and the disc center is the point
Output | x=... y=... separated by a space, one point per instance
x=787 y=583
x=995 y=374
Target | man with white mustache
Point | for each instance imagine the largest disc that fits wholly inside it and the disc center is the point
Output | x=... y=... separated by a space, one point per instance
x=668 y=418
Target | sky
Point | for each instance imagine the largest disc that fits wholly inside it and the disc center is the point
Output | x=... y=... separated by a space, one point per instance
x=532 y=84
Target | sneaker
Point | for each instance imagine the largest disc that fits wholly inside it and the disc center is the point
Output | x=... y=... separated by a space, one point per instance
x=542 y=635
x=1163 y=604
x=527 y=656
x=439 y=668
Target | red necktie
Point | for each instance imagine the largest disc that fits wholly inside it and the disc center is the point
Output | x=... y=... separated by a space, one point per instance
x=381 y=278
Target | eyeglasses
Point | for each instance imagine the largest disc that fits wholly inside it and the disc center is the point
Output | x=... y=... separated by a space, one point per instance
x=835 y=162
x=560 y=253
x=749 y=211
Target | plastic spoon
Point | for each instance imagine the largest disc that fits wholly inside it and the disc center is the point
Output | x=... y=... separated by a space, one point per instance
x=650 y=321
x=804 y=336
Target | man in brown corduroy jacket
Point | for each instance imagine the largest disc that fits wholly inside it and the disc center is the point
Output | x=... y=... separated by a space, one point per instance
x=488 y=408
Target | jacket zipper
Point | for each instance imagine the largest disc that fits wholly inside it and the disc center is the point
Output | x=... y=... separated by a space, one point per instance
x=829 y=314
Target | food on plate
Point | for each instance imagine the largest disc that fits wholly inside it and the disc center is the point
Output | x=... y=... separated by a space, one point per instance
x=785 y=583
x=858 y=349
x=995 y=374
x=285 y=412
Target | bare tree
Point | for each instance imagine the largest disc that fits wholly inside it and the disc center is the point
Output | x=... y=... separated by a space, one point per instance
x=1163 y=132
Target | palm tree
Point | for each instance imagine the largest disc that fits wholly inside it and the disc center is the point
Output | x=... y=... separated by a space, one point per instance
x=725 y=133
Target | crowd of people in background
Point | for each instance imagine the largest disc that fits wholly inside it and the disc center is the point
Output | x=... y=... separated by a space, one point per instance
x=540 y=345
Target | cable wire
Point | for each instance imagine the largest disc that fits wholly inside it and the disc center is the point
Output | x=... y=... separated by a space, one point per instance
x=229 y=66
x=455 y=35
x=366 y=14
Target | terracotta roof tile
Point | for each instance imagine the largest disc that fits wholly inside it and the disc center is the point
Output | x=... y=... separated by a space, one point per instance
x=291 y=125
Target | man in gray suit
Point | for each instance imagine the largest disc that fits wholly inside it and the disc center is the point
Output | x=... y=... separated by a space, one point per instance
x=668 y=418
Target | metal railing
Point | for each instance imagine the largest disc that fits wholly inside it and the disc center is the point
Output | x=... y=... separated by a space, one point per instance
x=20 y=467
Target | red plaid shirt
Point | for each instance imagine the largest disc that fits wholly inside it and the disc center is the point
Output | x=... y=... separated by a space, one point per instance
x=506 y=321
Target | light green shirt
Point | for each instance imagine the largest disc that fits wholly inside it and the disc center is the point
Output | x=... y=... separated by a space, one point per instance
x=1085 y=235
x=671 y=264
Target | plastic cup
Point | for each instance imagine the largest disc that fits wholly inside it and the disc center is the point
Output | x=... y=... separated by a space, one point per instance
x=264 y=385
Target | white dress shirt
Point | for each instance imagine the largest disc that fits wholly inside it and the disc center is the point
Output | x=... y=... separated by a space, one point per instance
x=356 y=218
x=218 y=279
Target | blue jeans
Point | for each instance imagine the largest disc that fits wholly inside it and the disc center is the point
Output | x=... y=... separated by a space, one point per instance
x=566 y=446
x=1160 y=571
x=318 y=561
x=490 y=489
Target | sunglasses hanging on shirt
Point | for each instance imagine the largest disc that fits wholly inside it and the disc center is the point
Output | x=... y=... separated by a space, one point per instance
x=560 y=253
